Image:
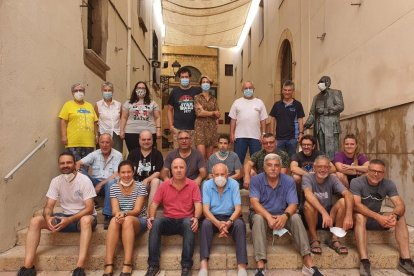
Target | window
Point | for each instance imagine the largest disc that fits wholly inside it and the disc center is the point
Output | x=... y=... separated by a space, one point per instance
x=142 y=16
x=155 y=56
x=241 y=66
x=249 y=53
x=96 y=36
x=261 y=22
x=228 y=70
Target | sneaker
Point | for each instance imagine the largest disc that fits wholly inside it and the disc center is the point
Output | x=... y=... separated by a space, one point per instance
x=406 y=266
x=260 y=272
x=23 y=271
x=79 y=271
x=365 y=268
x=203 y=272
x=153 y=270
x=186 y=271
x=313 y=271
x=107 y=220
x=242 y=272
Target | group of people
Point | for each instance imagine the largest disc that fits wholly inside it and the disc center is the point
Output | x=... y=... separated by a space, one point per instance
x=199 y=190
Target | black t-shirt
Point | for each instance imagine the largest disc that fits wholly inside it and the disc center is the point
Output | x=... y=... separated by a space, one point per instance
x=183 y=103
x=286 y=118
x=306 y=162
x=145 y=165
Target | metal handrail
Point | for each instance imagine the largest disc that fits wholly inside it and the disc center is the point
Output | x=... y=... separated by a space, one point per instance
x=11 y=173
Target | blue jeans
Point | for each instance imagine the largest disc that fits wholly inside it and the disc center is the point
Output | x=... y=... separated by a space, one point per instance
x=107 y=209
x=241 y=145
x=288 y=146
x=168 y=227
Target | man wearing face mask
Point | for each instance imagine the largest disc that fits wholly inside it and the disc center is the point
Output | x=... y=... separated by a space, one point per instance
x=77 y=124
x=75 y=193
x=109 y=113
x=324 y=115
x=248 y=122
x=181 y=113
x=222 y=210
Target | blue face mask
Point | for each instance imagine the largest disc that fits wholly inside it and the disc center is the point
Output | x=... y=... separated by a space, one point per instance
x=205 y=86
x=107 y=95
x=248 y=93
x=185 y=82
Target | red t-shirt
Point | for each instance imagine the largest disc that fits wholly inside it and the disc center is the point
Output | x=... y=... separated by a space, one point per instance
x=178 y=204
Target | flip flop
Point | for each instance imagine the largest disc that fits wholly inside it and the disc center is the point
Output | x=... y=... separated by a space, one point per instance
x=340 y=249
x=315 y=249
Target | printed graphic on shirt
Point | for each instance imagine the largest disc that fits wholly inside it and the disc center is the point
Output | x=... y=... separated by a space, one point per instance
x=308 y=166
x=141 y=112
x=84 y=119
x=144 y=168
x=186 y=103
x=321 y=196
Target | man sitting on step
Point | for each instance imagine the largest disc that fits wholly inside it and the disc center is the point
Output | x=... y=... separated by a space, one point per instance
x=181 y=199
x=75 y=193
x=319 y=189
x=274 y=203
x=104 y=165
x=222 y=211
x=369 y=192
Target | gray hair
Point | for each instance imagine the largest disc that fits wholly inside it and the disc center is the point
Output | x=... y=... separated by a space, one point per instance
x=72 y=88
x=183 y=131
x=321 y=157
x=220 y=165
x=273 y=156
x=244 y=84
x=107 y=83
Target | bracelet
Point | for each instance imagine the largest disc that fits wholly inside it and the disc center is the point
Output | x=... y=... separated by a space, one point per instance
x=231 y=221
x=287 y=214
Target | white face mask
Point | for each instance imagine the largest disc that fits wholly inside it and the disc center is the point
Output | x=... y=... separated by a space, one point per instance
x=322 y=86
x=69 y=176
x=79 y=95
x=126 y=184
x=140 y=92
x=220 y=181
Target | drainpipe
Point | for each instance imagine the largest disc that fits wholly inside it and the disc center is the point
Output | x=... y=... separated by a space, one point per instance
x=129 y=34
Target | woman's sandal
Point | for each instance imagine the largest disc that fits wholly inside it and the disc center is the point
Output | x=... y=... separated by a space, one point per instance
x=315 y=249
x=127 y=273
x=110 y=273
x=340 y=249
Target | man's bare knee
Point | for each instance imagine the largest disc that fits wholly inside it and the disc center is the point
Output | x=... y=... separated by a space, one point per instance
x=37 y=222
x=86 y=221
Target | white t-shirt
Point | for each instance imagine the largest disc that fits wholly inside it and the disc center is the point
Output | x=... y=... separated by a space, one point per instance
x=140 y=117
x=71 y=195
x=248 y=114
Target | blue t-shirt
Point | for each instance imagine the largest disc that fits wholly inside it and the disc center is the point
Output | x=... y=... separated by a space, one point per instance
x=275 y=201
x=225 y=203
x=287 y=119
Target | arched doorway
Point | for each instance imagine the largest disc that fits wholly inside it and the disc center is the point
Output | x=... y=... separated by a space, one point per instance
x=286 y=62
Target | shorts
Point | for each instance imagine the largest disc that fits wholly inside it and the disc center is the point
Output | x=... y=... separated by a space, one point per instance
x=74 y=226
x=372 y=224
x=142 y=224
x=320 y=220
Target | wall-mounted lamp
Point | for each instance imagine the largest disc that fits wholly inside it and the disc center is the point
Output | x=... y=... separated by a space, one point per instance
x=117 y=49
x=356 y=3
x=321 y=37
x=176 y=66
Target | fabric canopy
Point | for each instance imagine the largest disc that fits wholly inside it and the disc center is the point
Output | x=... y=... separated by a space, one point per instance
x=204 y=22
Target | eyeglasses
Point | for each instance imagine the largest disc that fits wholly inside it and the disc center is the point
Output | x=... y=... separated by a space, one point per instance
x=268 y=142
x=79 y=90
x=375 y=172
x=183 y=138
x=307 y=145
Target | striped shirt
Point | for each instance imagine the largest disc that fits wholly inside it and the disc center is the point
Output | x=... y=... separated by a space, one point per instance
x=127 y=202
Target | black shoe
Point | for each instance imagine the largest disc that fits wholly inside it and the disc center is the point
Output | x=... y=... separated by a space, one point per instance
x=406 y=266
x=153 y=270
x=260 y=272
x=365 y=268
x=23 y=271
x=186 y=271
x=79 y=271
x=107 y=220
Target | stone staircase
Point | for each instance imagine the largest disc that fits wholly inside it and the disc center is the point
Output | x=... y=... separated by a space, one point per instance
x=58 y=251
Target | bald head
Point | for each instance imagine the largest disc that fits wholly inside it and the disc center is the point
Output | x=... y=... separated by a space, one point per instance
x=178 y=169
x=220 y=169
x=145 y=140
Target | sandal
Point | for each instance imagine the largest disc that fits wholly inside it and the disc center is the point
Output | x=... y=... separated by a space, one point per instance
x=127 y=273
x=110 y=273
x=315 y=249
x=340 y=249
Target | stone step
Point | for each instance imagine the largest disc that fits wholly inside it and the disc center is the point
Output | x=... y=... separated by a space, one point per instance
x=57 y=258
x=98 y=237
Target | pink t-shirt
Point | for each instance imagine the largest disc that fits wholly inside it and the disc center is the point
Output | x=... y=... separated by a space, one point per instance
x=178 y=204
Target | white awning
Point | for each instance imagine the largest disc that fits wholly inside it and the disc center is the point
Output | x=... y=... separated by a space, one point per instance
x=204 y=22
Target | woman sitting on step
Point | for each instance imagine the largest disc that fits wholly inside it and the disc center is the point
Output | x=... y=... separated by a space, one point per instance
x=129 y=217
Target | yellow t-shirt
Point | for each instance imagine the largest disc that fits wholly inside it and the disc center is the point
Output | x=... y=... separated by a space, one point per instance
x=81 y=119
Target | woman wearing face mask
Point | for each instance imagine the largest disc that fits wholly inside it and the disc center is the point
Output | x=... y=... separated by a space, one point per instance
x=138 y=114
x=109 y=113
x=129 y=217
x=349 y=162
x=207 y=113
x=77 y=124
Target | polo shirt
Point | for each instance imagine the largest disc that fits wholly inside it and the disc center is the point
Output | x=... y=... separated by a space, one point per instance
x=221 y=204
x=178 y=204
x=102 y=168
x=276 y=200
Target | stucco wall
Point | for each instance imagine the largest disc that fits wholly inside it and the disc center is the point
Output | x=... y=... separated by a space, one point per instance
x=41 y=56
